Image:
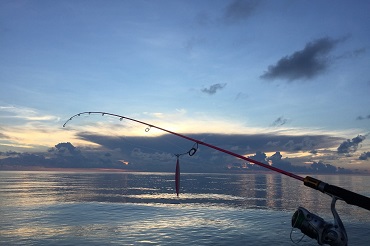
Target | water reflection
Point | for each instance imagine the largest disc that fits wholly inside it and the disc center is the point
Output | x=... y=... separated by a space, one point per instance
x=246 y=191
x=40 y=208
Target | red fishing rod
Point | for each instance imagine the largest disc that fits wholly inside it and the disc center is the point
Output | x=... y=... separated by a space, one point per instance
x=309 y=223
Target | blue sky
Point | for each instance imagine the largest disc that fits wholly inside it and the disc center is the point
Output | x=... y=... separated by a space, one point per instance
x=253 y=68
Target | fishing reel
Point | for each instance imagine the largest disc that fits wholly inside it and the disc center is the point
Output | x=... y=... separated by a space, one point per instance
x=315 y=227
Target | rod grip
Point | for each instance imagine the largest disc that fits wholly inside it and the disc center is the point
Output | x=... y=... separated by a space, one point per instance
x=343 y=194
x=348 y=196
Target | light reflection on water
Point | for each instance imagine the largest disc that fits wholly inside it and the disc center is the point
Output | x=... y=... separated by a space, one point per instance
x=46 y=208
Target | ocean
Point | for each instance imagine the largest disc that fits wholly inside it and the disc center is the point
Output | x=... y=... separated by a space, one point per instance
x=101 y=208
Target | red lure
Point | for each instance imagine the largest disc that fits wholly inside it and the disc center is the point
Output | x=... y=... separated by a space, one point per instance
x=177 y=177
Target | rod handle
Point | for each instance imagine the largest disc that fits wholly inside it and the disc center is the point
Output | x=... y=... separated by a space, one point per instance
x=348 y=196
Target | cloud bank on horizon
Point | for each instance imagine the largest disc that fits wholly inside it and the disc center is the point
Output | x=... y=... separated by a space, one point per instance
x=297 y=78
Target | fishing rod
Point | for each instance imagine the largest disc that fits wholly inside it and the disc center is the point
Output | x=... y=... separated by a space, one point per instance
x=309 y=223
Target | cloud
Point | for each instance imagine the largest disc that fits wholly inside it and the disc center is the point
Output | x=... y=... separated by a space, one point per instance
x=193 y=42
x=306 y=143
x=213 y=88
x=158 y=153
x=66 y=149
x=363 y=117
x=350 y=146
x=279 y=122
x=353 y=54
x=359 y=51
x=303 y=64
x=259 y=156
x=63 y=155
x=314 y=152
x=277 y=160
x=10 y=153
x=239 y=10
x=320 y=167
x=244 y=142
x=146 y=158
x=364 y=156
x=25 y=113
x=137 y=153
x=241 y=95
x=3 y=136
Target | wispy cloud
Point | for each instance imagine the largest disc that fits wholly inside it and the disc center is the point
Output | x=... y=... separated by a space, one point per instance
x=363 y=117
x=3 y=136
x=303 y=64
x=353 y=53
x=279 y=122
x=28 y=128
x=241 y=95
x=27 y=114
x=239 y=10
x=214 y=88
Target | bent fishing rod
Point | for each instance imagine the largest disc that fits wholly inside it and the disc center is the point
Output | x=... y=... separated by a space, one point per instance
x=309 y=223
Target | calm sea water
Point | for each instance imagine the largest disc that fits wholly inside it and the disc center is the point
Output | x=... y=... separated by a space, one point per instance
x=55 y=208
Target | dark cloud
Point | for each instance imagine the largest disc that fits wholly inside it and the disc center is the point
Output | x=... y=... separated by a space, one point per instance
x=23 y=159
x=364 y=156
x=213 y=88
x=239 y=10
x=277 y=160
x=350 y=146
x=243 y=142
x=363 y=117
x=10 y=153
x=63 y=155
x=273 y=144
x=259 y=156
x=66 y=149
x=149 y=157
x=303 y=144
x=158 y=153
x=303 y=64
x=279 y=121
x=320 y=167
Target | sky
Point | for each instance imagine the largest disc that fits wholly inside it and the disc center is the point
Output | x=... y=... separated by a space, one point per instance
x=287 y=77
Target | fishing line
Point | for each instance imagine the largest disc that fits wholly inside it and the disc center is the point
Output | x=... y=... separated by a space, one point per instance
x=294 y=224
